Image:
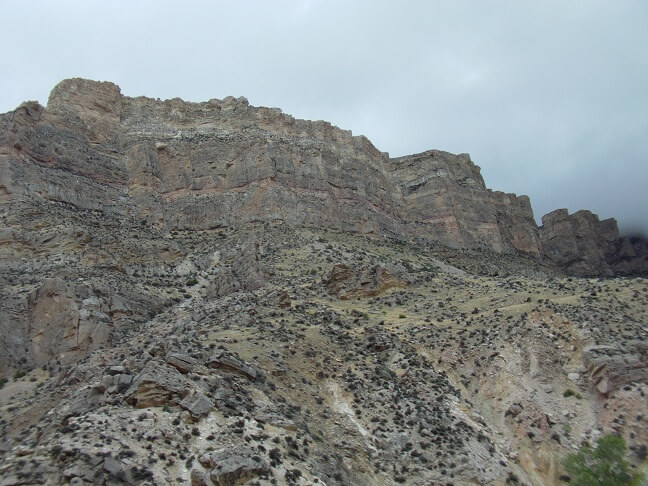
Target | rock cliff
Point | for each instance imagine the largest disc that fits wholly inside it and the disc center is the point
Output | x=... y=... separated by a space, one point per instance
x=223 y=163
x=213 y=293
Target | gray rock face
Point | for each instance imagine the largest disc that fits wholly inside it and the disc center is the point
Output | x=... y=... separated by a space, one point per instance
x=446 y=195
x=611 y=367
x=580 y=243
x=157 y=385
x=235 y=466
x=243 y=269
x=224 y=163
x=348 y=283
x=197 y=405
x=229 y=362
x=459 y=377
x=96 y=187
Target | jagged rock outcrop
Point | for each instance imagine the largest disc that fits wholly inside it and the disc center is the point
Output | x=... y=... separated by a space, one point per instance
x=97 y=189
x=612 y=366
x=581 y=244
x=446 y=198
x=224 y=163
x=213 y=293
x=349 y=283
x=460 y=377
x=515 y=222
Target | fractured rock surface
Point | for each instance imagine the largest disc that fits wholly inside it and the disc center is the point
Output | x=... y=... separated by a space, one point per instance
x=223 y=163
x=461 y=377
x=214 y=293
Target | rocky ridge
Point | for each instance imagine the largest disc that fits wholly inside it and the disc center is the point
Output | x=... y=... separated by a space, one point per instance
x=352 y=361
x=223 y=163
x=212 y=293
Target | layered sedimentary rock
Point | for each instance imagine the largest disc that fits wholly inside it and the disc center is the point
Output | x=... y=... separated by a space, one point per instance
x=515 y=222
x=176 y=165
x=446 y=199
x=579 y=242
x=445 y=194
x=350 y=283
x=166 y=315
x=192 y=166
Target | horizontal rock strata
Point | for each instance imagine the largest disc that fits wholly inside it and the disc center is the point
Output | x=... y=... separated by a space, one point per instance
x=223 y=163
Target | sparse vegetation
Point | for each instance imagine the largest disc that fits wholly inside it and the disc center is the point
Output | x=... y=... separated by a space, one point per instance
x=571 y=393
x=603 y=465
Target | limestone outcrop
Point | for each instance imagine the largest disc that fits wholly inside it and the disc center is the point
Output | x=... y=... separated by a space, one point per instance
x=223 y=163
x=461 y=377
x=214 y=293
x=349 y=283
x=583 y=245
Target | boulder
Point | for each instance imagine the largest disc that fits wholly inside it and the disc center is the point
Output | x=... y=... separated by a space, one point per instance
x=156 y=385
x=348 y=283
x=231 y=363
x=236 y=465
x=197 y=405
x=612 y=366
x=182 y=362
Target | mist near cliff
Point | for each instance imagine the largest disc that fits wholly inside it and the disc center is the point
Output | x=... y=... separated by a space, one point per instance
x=549 y=98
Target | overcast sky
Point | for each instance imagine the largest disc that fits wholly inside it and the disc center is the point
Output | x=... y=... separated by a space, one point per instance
x=549 y=97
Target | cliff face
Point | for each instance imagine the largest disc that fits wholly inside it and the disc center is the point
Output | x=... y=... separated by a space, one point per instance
x=269 y=297
x=580 y=243
x=446 y=199
x=178 y=165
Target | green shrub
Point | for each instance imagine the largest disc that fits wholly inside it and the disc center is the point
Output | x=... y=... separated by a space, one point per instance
x=603 y=466
x=3 y=382
x=571 y=393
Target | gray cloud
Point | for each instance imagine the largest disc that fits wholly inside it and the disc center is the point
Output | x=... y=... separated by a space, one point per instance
x=548 y=97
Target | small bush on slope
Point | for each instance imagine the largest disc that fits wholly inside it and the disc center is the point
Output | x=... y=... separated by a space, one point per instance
x=603 y=466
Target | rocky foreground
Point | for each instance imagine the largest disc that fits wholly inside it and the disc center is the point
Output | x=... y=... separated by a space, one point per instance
x=220 y=294
x=283 y=356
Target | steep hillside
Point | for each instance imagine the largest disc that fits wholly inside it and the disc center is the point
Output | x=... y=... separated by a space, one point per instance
x=215 y=293
x=307 y=356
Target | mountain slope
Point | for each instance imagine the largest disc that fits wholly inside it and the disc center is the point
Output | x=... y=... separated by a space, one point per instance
x=213 y=293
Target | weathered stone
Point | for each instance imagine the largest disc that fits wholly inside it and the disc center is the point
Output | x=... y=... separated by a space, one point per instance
x=135 y=228
x=276 y=420
x=245 y=271
x=197 y=405
x=225 y=164
x=83 y=401
x=348 y=283
x=236 y=465
x=275 y=168
x=229 y=362
x=125 y=380
x=119 y=470
x=445 y=194
x=613 y=366
x=284 y=300
x=116 y=370
x=200 y=478
x=156 y=385
x=79 y=470
x=182 y=362
x=580 y=243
